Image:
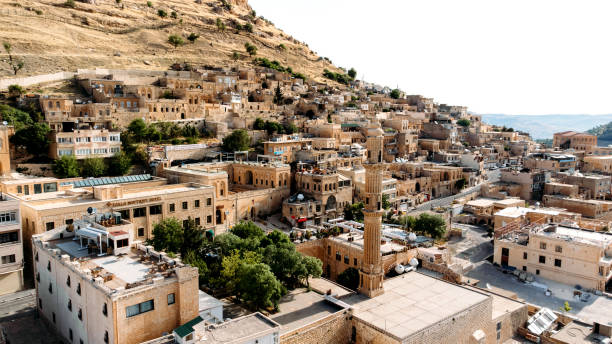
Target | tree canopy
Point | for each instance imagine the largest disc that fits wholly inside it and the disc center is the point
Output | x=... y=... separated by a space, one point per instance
x=238 y=140
x=432 y=225
x=349 y=278
x=93 y=167
x=66 y=167
x=464 y=122
x=120 y=164
x=395 y=94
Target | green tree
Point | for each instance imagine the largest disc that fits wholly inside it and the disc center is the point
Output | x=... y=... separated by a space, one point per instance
x=247 y=229
x=174 y=15
x=17 y=118
x=235 y=56
x=385 y=202
x=15 y=90
x=290 y=128
x=231 y=264
x=194 y=260
x=433 y=225
x=176 y=40
x=250 y=49
x=352 y=73
x=35 y=138
x=162 y=13
x=349 y=278
x=238 y=140
x=464 y=122
x=138 y=129
x=16 y=65
x=168 y=235
x=193 y=237
x=93 y=167
x=354 y=212
x=275 y=237
x=120 y=164
x=70 y=3
x=314 y=267
x=282 y=47
x=258 y=286
x=395 y=94
x=248 y=27
x=259 y=124
x=149 y=4
x=193 y=37
x=66 y=167
x=220 y=24
x=278 y=95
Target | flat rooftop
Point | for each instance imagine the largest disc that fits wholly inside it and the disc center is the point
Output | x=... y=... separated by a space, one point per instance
x=300 y=307
x=117 y=270
x=357 y=241
x=482 y=202
x=578 y=235
x=576 y=333
x=240 y=328
x=413 y=302
x=522 y=211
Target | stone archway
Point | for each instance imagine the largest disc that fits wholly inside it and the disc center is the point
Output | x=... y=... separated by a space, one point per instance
x=417 y=187
x=248 y=178
x=331 y=203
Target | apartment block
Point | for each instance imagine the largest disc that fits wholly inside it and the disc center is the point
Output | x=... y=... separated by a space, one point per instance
x=11 y=245
x=100 y=143
x=94 y=285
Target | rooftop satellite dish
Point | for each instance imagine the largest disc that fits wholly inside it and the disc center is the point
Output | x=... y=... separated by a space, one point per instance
x=412 y=237
x=414 y=262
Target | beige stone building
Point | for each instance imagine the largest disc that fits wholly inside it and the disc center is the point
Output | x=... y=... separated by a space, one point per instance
x=5 y=149
x=143 y=200
x=597 y=163
x=556 y=252
x=285 y=147
x=242 y=190
x=94 y=285
x=11 y=246
x=577 y=141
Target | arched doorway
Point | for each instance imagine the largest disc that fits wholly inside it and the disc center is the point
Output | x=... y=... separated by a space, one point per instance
x=219 y=217
x=252 y=213
x=417 y=187
x=331 y=203
x=433 y=193
x=249 y=178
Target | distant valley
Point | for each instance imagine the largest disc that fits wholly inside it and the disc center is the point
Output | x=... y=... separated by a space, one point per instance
x=544 y=126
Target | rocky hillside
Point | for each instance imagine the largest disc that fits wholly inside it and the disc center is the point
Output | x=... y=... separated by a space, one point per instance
x=603 y=132
x=57 y=35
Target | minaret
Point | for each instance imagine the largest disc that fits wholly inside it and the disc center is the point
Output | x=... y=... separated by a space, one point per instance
x=371 y=273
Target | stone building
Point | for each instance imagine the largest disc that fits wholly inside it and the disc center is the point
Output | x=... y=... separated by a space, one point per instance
x=94 y=285
x=5 y=149
x=86 y=143
x=243 y=190
x=564 y=254
x=577 y=141
x=531 y=183
x=598 y=163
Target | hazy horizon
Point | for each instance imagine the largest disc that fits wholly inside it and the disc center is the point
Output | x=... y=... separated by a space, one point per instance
x=520 y=57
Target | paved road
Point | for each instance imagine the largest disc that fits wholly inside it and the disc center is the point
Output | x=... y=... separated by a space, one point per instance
x=446 y=201
x=17 y=303
x=475 y=246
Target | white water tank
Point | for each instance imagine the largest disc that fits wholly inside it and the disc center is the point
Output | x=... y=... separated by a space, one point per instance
x=412 y=237
x=399 y=268
x=414 y=262
x=300 y=197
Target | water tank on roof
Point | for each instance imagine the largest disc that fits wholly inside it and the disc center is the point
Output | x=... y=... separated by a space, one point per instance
x=399 y=268
x=412 y=237
x=300 y=197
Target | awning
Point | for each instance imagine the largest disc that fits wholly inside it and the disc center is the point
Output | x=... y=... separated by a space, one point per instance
x=88 y=233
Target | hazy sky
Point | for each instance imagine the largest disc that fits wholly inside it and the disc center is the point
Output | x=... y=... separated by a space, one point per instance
x=512 y=57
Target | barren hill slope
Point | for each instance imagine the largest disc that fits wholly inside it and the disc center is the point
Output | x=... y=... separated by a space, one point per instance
x=50 y=36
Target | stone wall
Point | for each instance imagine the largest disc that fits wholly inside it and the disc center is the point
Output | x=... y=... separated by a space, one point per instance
x=34 y=80
x=333 y=329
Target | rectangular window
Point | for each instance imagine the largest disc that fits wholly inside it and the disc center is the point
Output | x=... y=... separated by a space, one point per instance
x=185 y=223
x=122 y=243
x=355 y=261
x=140 y=308
x=209 y=201
x=171 y=207
x=49 y=226
x=185 y=206
x=140 y=232
x=209 y=219
x=542 y=260
x=558 y=263
x=197 y=221
x=155 y=210
x=37 y=188
x=9 y=237
x=171 y=300
x=50 y=187
x=338 y=256
x=19 y=189
x=8 y=217
x=558 y=249
x=8 y=259
x=346 y=260
x=542 y=245
x=196 y=203
x=125 y=214
x=140 y=212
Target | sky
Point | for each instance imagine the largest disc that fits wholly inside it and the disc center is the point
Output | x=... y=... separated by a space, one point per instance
x=503 y=57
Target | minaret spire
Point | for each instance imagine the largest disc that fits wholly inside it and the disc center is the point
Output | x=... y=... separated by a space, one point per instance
x=371 y=273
